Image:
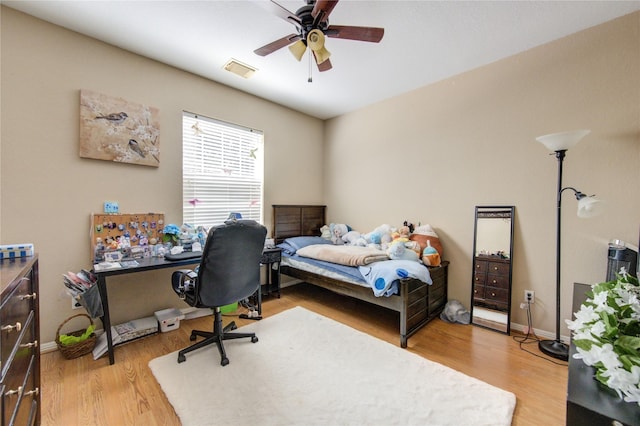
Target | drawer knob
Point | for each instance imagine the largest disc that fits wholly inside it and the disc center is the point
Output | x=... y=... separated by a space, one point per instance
x=477 y=279
x=494 y=281
x=9 y=328
x=33 y=344
x=28 y=296
x=493 y=295
x=495 y=268
x=36 y=391
x=14 y=391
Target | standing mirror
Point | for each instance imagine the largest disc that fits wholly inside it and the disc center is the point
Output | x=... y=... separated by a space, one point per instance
x=492 y=266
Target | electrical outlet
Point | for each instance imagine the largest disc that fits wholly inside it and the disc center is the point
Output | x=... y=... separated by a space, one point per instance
x=529 y=296
x=75 y=304
x=111 y=207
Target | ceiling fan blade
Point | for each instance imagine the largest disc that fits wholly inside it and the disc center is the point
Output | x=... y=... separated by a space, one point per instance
x=281 y=12
x=324 y=66
x=322 y=9
x=278 y=44
x=371 y=34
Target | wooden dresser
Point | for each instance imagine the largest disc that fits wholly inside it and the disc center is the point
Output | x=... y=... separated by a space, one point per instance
x=20 y=334
x=491 y=282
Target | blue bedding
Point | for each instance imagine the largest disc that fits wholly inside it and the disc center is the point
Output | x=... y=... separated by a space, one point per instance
x=381 y=276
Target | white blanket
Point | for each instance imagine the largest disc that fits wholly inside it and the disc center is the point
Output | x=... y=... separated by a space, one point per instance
x=344 y=255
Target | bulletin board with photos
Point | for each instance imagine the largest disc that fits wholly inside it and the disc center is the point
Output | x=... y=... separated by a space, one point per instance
x=124 y=236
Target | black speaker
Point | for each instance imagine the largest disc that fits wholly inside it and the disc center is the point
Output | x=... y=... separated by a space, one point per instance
x=619 y=257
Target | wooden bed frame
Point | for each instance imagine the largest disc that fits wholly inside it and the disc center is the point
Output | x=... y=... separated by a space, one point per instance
x=417 y=303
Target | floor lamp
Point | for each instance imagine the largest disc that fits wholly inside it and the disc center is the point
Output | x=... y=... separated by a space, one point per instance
x=588 y=206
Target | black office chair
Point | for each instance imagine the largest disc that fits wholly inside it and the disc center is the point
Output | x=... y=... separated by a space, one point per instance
x=229 y=272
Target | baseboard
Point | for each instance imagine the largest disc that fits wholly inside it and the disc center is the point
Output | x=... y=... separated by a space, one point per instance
x=540 y=333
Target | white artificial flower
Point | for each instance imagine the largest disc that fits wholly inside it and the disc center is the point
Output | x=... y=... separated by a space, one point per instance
x=600 y=300
x=598 y=328
x=589 y=327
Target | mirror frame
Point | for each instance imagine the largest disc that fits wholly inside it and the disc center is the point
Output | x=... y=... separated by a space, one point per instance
x=497 y=212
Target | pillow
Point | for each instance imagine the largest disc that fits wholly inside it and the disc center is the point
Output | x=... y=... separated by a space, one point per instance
x=296 y=243
x=425 y=233
x=287 y=248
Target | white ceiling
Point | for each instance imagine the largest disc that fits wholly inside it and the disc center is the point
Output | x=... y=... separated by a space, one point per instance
x=424 y=41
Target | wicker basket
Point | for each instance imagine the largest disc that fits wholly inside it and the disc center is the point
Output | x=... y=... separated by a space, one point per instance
x=78 y=349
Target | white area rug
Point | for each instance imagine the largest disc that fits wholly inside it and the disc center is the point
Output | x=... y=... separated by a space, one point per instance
x=311 y=370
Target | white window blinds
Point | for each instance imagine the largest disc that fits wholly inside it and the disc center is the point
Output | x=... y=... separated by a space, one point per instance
x=222 y=171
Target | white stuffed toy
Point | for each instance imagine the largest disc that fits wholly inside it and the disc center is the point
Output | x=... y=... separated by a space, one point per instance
x=325 y=232
x=397 y=251
x=351 y=237
x=338 y=230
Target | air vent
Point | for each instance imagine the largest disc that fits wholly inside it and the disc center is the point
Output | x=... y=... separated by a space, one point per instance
x=238 y=68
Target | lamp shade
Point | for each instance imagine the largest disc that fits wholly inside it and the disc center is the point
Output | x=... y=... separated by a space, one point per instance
x=589 y=206
x=315 y=41
x=562 y=141
x=297 y=49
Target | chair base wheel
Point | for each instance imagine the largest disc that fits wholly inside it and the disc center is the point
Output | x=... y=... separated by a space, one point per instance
x=181 y=358
x=225 y=361
x=192 y=337
x=254 y=339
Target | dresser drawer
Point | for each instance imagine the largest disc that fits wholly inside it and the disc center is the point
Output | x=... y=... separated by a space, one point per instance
x=478 y=292
x=496 y=295
x=498 y=281
x=15 y=311
x=479 y=278
x=498 y=268
x=481 y=266
x=20 y=399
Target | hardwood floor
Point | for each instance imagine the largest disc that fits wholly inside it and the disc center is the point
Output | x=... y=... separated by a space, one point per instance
x=88 y=392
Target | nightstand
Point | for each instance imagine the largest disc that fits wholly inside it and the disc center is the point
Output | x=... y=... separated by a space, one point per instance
x=271 y=258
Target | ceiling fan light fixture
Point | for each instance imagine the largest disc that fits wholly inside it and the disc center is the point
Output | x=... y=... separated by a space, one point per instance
x=297 y=49
x=315 y=41
x=238 y=68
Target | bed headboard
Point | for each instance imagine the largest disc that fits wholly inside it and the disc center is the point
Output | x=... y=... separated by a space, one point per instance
x=297 y=220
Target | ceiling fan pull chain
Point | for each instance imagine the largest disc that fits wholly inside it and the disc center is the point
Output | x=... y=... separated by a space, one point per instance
x=310 y=79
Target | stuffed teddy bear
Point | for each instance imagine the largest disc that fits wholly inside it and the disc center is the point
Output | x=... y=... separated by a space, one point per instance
x=338 y=230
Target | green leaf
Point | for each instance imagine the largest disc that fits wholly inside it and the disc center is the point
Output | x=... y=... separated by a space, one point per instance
x=583 y=344
x=627 y=344
x=629 y=361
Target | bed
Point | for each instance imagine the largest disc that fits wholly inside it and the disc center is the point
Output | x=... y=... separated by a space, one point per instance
x=415 y=301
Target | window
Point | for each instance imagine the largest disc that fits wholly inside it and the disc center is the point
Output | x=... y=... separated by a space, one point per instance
x=222 y=171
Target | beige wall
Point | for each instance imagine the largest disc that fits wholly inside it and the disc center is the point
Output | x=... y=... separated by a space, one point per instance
x=433 y=154
x=49 y=192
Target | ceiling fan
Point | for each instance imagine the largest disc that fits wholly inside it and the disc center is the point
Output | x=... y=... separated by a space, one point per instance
x=312 y=23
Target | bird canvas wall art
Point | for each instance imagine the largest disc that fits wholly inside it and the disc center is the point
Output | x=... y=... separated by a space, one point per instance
x=115 y=129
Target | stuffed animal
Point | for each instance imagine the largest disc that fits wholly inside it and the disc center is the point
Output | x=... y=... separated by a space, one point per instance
x=337 y=231
x=325 y=232
x=430 y=256
x=379 y=238
x=397 y=251
x=351 y=237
